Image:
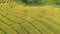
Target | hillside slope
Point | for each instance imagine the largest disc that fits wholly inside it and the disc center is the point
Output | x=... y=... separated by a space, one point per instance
x=17 y=17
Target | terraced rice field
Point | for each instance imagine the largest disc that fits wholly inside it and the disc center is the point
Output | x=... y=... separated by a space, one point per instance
x=20 y=19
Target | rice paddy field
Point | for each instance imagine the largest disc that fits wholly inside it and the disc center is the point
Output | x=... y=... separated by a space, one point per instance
x=19 y=17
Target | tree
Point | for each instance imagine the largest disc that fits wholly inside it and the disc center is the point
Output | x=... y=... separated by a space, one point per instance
x=32 y=2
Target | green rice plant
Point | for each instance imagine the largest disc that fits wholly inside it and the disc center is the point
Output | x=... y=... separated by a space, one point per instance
x=19 y=17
